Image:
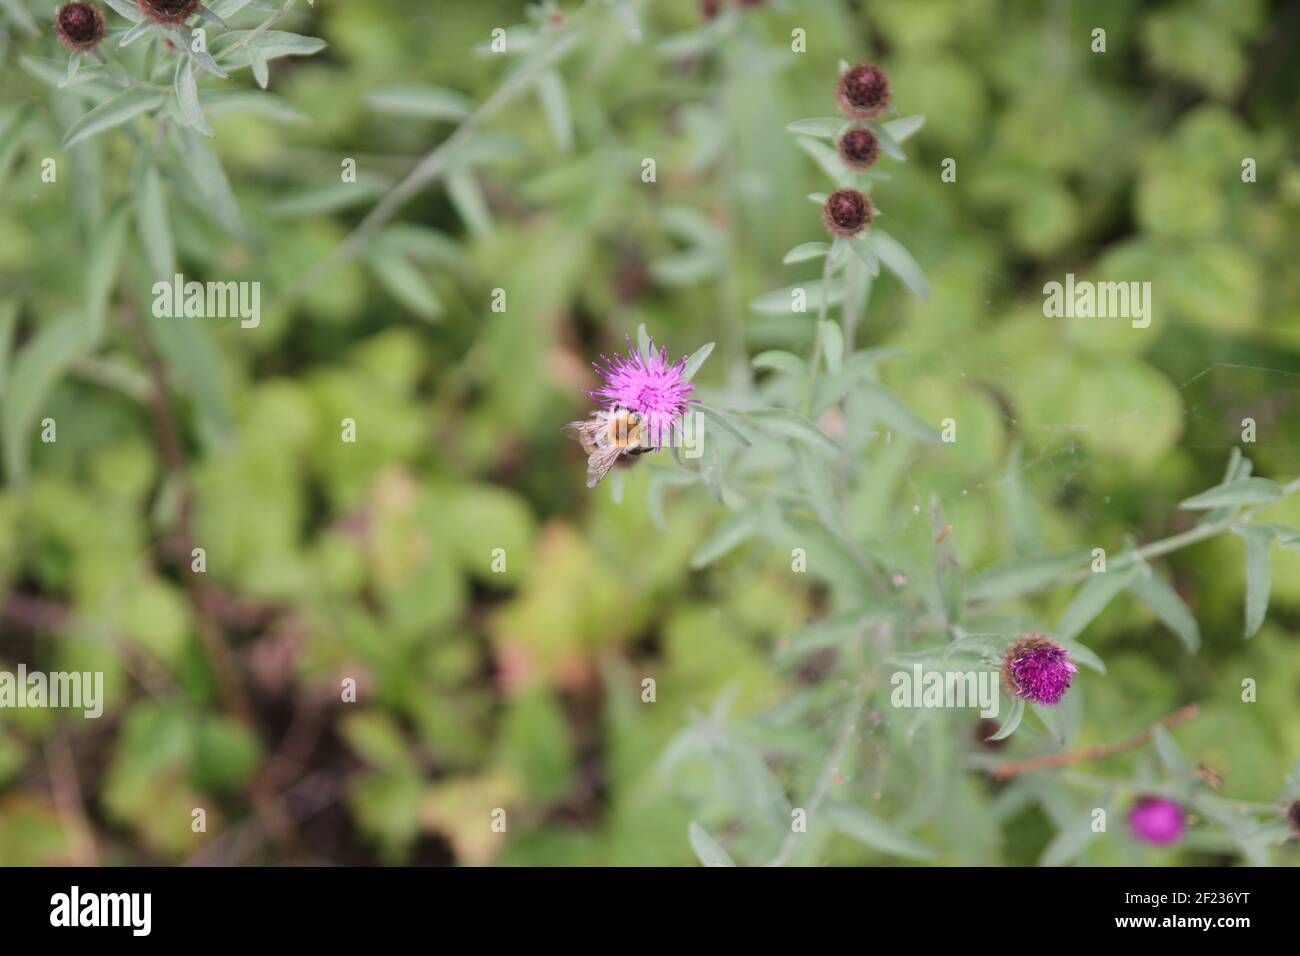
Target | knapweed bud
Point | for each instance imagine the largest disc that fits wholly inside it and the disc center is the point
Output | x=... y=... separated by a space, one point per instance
x=863 y=91
x=168 y=12
x=1293 y=816
x=846 y=212
x=1157 y=820
x=1037 y=669
x=859 y=148
x=79 y=26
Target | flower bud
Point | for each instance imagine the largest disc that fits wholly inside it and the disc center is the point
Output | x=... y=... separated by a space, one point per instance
x=79 y=26
x=168 y=12
x=1037 y=669
x=846 y=212
x=863 y=91
x=859 y=148
x=1157 y=820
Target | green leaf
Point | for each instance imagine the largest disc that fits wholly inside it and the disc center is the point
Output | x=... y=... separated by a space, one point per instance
x=1257 y=541
x=832 y=345
x=791 y=424
x=102 y=271
x=805 y=251
x=1091 y=600
x=875 y=833
x=889 y=409
x=555 y=105
x=643 y=339
x=904 y=127
x=187 y=94
x=1015 y=579
x=708 y=850
x=781 y=361
x=422 y=102
x=1068 y=844
x=151 y=222
x=1170 y=754
x=821 y=493
x=465 y=194
x=827 y=127
x=1243 y=491
x=404 y=281
x=734 y=531
x=1012 y=723
x=723 y=421
x=899 y=261
x=120 y=109
x=1164 y=602
x=209 y=179
x=783 y=301
x=887 y=142
x=1022 y=511
x=35 y=371
x=261 y=70
x=696 y=360
x=232 y=48
x=20 y=15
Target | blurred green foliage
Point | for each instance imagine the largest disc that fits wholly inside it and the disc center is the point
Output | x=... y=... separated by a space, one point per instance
x=520 y=687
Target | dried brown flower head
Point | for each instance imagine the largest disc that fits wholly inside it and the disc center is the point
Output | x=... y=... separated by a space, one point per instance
x=859 y=148
x=79 y=26
x=847 y=212
x=863 y=91
x=168 y=12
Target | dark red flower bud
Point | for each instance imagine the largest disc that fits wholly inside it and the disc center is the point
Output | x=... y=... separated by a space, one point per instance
x=168 y=12
x=863 y=91
x=859 y=148
x=847 y=212
x=1293 y=816
x=79 y=26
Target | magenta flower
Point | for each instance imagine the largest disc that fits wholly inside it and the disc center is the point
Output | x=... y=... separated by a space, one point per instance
x=1157 y=820
x=1037 y=669
x=649 y=386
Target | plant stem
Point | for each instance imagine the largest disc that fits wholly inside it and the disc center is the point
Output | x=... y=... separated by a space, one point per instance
x=823 y=785
x=1047 y=761
x=823 y=307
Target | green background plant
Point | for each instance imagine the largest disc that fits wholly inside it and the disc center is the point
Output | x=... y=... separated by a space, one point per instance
x=523 y=689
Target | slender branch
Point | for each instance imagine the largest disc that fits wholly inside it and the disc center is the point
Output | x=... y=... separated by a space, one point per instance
x=824 y=780
x=1069 y=758
x=71 y=808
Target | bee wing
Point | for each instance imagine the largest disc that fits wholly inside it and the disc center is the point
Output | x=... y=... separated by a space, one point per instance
x=600 y=462
x=574 y=429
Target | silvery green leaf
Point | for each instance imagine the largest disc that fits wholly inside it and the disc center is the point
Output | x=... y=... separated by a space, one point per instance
x=74 y=64
x=133 y=34
x=151 y=220
x=36 y=369
x=186 y=346
x=827 y=127
x=708 y=850
x=121 y=109
x=781 y=361
x=1015 y=579
x=862 y=248
x=272 y=44
x=424 y=102
x=1083 y=655
x=805 y=251
x=693 y=266
x=467 y=197
x=20 y=15
x=791 y=424
x=876 y=833
x=697 y=359
x=328 y=198
x=1239 y=466
x=902 y=128
x=1257 y=540
x=1164 y=602
x=126 y=9
x=1022 y=511
x=261 y=71
x=826 y=158
x=818 y=198
x=783 y=301
x=404 y=281
x=899 y=261
x=228 y=8
x=1170 y=754
x=555 y=105
x=643 y=339
x=737 y=528
x=187 y=94
x=209 y=178
x=1091 y=600
x=711 y=469
x=1068 y=844
x=832 y=345
x=211 y=16
x=102 y=271
x=1012 y=723
x=1242 y=491
x=817 y=485
x=887 y=142
x=891 y=412
x=226 y=102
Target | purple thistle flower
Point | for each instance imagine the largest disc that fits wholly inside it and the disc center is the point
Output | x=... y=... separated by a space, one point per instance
x=647 y=385
x=1157 y=820
x=1037 y=669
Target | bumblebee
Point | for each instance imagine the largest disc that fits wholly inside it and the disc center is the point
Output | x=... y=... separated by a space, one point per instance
x=611 y=436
